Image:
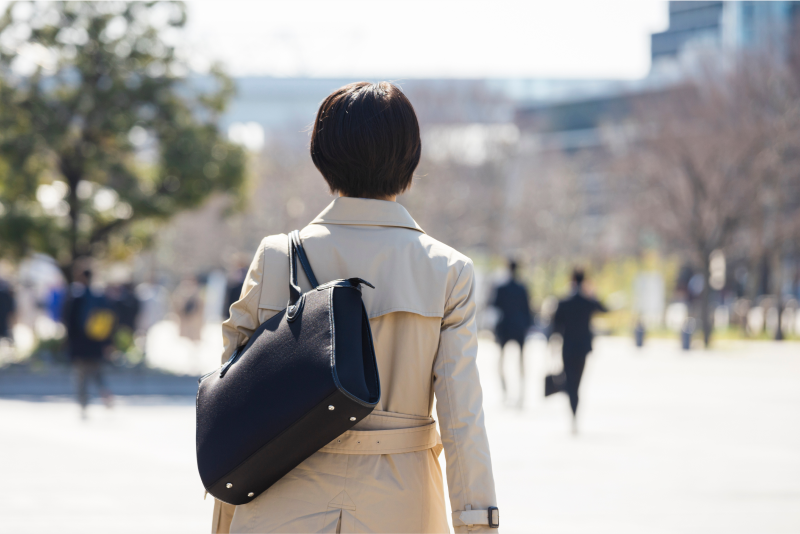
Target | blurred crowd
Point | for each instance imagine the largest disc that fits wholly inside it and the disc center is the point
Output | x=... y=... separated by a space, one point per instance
x=35 y=298
x=45 y=320
x=103 y=317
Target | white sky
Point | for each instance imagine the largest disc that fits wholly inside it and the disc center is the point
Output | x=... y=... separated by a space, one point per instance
x=428 y=38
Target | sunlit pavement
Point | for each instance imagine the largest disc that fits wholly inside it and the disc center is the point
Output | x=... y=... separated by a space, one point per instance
x=669 y=442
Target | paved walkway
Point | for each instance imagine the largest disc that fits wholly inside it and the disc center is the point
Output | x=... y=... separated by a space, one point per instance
x=670 y=442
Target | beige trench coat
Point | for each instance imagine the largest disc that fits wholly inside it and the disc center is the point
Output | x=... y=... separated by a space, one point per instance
x=422 y=315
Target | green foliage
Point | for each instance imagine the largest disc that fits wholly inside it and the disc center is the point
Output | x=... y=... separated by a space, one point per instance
x=100 y=130
x=126 y=353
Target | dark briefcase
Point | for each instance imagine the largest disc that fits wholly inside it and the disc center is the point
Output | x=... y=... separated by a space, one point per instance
x=306 y=376
x=554 y=383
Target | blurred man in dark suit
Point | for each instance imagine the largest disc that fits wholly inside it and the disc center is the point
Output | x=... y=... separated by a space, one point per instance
x=573 y=321
x=511 y=301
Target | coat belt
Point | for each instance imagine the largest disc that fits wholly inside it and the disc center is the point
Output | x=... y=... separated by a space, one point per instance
x=392 y=441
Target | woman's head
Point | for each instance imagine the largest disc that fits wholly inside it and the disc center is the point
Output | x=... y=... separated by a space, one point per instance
x=365 y=141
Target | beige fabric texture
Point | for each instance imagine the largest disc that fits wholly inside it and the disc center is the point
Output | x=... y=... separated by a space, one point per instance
x=394 y=440
x=422 y=315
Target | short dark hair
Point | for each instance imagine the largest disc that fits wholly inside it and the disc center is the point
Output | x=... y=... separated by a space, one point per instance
x=512 y=265
x=366 y=141
x=578 y=275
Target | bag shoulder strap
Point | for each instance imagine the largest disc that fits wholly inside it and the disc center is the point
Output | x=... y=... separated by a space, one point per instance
x=301 y=255
x=296 y=251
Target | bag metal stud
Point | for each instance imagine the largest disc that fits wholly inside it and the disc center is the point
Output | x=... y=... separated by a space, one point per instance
x=331 y=407
x=250 y=494
x=228 y=485
x=352 y=418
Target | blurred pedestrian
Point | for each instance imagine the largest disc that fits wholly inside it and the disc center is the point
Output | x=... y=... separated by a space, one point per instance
x=8 y=307
x=511 y=301
x=54 y=301
x=90 y=319
x=188 y=299
x=573 y=321
x=639 y=332
x=126 y=306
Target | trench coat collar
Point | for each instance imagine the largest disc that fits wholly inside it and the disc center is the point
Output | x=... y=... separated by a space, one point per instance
x=366 y=212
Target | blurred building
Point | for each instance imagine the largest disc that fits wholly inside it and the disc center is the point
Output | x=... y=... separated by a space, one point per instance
x=280 y=105
x=571 y=131
x=723 y=26
x=573 y=124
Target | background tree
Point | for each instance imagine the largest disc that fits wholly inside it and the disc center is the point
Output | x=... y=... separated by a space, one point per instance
x=101 y=134
x=550 y=214
x=708 y=158
x=772 y=87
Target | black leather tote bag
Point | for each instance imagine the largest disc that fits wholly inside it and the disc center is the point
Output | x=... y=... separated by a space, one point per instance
x=306 y=376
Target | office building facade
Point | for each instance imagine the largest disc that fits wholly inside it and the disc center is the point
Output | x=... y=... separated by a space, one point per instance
x=724 y=26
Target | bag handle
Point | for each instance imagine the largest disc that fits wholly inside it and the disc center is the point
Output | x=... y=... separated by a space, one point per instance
x=296 y=251
x=301 y=255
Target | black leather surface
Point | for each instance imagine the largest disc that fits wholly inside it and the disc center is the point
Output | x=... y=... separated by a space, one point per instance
x=281 y=455
x=350 y=371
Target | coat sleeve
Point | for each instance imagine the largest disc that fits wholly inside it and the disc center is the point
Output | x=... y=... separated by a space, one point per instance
x=243 y=319
x=459 y=405
x=236 y=331
x=600 y=307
